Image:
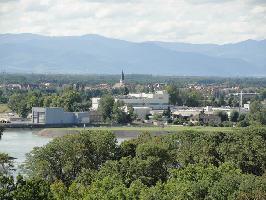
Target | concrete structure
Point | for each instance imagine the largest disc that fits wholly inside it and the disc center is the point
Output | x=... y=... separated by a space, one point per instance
x=59 y=116
x=95 y=103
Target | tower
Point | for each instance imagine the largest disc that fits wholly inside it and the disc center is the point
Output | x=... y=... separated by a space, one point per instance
x=122 y=79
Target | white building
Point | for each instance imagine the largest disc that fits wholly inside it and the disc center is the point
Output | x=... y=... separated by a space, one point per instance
x=142 y=103
x=158 y=100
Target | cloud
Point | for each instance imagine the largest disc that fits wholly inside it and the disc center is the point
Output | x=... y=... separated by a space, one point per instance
x=201 y=21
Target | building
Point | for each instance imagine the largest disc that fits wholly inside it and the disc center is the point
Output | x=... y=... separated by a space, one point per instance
x=142 y=103
x=59 y=116
x=95 y=103
x=158 y=100
x=206 y=119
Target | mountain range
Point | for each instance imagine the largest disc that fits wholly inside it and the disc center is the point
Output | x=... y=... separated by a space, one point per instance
x=95 y=54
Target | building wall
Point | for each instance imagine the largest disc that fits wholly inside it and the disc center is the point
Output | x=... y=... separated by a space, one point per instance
x=95 y=103
x=59 y=116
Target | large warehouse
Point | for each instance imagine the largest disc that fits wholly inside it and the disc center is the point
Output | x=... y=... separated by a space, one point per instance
x=56 y=115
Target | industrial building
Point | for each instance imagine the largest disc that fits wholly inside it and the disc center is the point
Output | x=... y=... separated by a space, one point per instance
x=56 y=115
x=142 y=103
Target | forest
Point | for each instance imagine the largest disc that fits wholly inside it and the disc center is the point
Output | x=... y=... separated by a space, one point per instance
x=183 y=165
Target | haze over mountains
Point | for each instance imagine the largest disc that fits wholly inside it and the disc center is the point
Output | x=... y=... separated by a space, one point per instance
x=26 y=53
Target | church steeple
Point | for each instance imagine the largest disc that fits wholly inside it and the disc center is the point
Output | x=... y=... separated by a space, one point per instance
x=122 y=79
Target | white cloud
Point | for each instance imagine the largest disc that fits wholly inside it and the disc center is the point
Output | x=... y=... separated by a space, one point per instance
x=201 y=21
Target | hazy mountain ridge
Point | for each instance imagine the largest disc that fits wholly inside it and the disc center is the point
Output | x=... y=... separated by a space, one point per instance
x=98 y=54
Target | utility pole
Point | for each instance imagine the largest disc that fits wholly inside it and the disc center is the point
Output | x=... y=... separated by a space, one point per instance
x=240 y=100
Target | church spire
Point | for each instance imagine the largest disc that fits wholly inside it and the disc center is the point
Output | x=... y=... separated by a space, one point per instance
x=122 y=79
x=122 y=76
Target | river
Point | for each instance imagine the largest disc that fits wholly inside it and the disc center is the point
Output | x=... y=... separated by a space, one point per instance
x=18 y=142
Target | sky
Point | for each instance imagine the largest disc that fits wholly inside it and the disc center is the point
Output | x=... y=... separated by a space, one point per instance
x=193 y=21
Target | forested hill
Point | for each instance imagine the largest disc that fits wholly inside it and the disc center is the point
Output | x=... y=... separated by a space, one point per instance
x=20 y=53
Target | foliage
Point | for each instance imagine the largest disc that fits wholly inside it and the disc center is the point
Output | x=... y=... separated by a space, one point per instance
x=115 y=111
x=71 y=100
x=257 y=113
x=223 y=115
x=6 y=163
x=184 y=165
x=105 y=106
x=234 y=115
x=21 y=189
x=64 y=158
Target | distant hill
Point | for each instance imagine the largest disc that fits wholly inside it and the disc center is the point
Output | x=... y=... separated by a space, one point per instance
x=24 y=53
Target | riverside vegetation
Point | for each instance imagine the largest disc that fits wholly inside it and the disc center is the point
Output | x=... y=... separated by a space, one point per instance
x=184 y=165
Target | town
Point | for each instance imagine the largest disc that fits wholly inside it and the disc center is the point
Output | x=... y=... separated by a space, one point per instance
x=50 y=104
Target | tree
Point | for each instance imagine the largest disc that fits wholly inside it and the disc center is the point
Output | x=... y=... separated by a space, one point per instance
x=174 y=95
x=234 y=116
x=223 y=115
x=7 y=187
x=64 y=158
x=69 y=100
x=257 y=113
x=32 y=189
x=118 y=114
x=106 y=106
x=6 y=163
x=18 y=103
x=126 y=91
x=192 y=98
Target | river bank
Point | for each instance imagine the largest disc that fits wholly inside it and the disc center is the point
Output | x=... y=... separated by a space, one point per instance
x=130 y=131
x=119 y=133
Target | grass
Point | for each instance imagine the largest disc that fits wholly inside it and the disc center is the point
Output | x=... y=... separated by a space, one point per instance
x=4 y=108
x=154 y=129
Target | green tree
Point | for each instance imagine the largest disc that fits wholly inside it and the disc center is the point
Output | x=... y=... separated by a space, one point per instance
x=118 y=114
x=6 y=163
x=64 y=158
x=257 y=113
x=223 y=115
x=32 y=189
x=174 y=97
x=106 y=107
x=18 y=103
x=7 y=187
x=234 y=116
x=69 y=100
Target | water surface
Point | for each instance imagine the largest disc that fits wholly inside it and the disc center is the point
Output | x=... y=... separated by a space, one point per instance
x=18 y=142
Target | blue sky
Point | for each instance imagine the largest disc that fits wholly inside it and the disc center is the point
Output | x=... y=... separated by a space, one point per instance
x=195 y=21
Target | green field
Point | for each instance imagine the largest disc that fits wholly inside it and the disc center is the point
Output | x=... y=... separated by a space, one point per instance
x=4 y=108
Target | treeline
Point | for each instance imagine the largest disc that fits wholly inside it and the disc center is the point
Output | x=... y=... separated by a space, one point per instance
x=69 y=99
x=194 y=98
x=185 y=165
x=61 y=79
